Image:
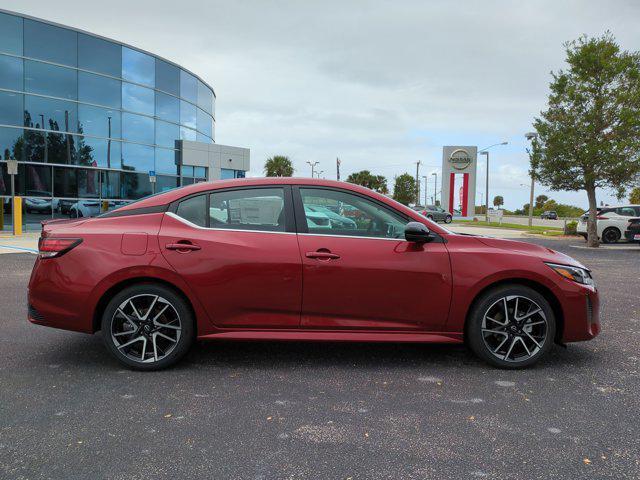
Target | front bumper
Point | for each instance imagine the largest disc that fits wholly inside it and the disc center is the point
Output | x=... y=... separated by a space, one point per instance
x=581 y=311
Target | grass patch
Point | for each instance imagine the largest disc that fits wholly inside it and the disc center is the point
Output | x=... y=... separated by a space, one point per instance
x=537 y=229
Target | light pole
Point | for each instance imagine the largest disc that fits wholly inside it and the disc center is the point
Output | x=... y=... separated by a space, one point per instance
x=435 y=186
x=531 y=136
x=425 y=189
x=485 y=152
x=319 y=173
x=313 y=165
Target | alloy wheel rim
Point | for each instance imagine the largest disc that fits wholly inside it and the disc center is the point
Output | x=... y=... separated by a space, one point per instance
x=146 y=328
x=514 y=328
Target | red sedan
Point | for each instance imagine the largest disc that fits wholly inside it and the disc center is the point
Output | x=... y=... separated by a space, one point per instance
x=287 y=259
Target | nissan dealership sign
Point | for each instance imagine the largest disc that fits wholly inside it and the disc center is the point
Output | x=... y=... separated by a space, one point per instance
x=460 y=159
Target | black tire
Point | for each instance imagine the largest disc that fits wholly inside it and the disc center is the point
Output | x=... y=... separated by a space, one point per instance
x=611 y=235
x=176 y=350
x=430 y=217
x=478 y=343
x=448 y=219
x=585 y=236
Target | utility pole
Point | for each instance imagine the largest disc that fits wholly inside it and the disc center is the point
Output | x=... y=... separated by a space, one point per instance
x=486 y=211
x=418 y=182
x=337 y=168
x=425 y=189
x=313 y=166
x=435 y=187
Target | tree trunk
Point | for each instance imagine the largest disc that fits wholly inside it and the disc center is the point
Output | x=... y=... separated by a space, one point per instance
x=592 y=229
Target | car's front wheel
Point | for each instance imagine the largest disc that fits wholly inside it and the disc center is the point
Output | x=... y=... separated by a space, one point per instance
x=148 y=327
x=448 y=219
x=511 y=326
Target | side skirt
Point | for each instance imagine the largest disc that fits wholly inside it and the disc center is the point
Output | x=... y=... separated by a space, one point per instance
x=336 y=336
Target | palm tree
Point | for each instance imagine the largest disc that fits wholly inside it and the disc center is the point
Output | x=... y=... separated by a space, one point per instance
x=278 y=166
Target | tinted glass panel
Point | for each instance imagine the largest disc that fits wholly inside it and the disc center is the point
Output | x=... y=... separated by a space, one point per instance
x=167 y=77
x=137 y=128
x=164 y=183
x=47 y=42
x=187 y=134
x=137 y=157
x=11 y=142
x=138 y=67
x=11 y=109
x=97 y=152
x=38 y=181
x=167 y=107
x=200 y=172
x=205 y=97
x=137 y=99
x=99 y=90
x=65 y=182
x=99 y=55
x=50 y=114
x=11 y=73
x=88 y=183
x=50 y=80
x=204 y=123
x=194 y=210
x=188 y=86
x=255 y=209
x=61 y=148
x=10 y=34
x=626 y=211
x=166 y=161
x=135 y=185
x=97 y=121
x=110 y=184
x=334 y=212
x=187 y=171
x=167 y=134
x=188 y=114
x=203 y=138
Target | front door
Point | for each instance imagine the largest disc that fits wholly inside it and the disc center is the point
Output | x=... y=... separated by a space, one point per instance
x=237 y=250
x=360 y=272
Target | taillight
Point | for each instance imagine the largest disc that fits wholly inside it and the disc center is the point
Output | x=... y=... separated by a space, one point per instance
x=55 y=247
x=602 y=218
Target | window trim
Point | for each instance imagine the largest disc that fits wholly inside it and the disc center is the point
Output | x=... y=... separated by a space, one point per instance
x=290 y=221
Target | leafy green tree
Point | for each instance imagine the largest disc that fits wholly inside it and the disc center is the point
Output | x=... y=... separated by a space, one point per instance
x=365 y=178
x=634 y=196
x=589 y=136
x=498 y=201
x=404 y=189
x=540 y=199
x=278 y=166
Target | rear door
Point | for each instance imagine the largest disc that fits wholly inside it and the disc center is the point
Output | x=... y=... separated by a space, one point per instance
x=238 y=251
x=360 y=272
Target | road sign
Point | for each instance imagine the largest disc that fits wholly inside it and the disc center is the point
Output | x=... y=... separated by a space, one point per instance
x=12 y=167
x=152 y=176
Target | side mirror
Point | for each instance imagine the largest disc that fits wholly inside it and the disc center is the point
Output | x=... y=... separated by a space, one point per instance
x=416 y=232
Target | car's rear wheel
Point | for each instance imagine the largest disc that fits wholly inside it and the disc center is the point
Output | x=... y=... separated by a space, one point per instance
x=148 y=327
x=611 y=235
x=511 y=326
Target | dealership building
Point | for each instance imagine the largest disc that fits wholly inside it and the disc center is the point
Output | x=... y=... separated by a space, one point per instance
x=94 y=123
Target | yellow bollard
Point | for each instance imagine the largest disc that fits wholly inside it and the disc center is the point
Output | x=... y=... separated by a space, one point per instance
x=17 y=215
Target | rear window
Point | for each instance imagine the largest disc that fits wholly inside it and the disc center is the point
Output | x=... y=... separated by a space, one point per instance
x=194 y=210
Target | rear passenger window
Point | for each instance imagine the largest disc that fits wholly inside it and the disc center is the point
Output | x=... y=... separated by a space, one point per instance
x=194 y=210
x=251 y=209
x=626 y=211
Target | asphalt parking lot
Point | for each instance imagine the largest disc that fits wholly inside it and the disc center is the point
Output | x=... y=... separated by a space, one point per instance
x=290 y=410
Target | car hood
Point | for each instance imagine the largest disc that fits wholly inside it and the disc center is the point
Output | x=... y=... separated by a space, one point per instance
x=543 y=253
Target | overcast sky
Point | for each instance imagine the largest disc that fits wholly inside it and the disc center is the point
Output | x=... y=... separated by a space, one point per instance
x=381 y=84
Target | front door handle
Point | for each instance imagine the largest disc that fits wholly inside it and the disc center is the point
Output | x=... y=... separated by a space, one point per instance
x=322 y=255
x=184 y=247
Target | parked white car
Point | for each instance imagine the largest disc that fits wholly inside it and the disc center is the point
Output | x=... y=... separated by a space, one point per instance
x=612 y=222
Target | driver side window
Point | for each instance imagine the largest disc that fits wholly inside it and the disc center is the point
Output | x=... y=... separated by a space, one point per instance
x=334 y=212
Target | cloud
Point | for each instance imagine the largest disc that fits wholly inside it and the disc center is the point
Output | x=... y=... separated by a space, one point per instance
x=381 y=84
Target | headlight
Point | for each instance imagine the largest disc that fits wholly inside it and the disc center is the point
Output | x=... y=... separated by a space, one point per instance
x=577 y=274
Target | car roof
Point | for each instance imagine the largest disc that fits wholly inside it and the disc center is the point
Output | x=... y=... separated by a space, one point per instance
x=178 y=193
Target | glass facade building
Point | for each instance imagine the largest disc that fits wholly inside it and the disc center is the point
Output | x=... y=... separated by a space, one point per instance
x=88 y=118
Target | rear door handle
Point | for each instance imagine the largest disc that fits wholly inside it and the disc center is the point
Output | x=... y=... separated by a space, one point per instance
x=185 y=247
x=322 y=255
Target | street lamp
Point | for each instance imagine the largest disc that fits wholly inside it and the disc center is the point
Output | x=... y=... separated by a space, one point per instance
x=435 y=187
x=425 y=189
x=319 y=173
x=485 y=152
x=313 y=165
x=531 y=136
